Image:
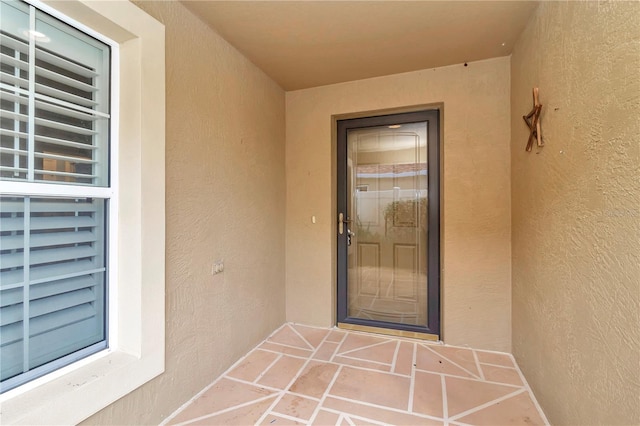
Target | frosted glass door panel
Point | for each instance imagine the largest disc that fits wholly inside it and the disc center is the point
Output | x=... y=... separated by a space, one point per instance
x=387 y=203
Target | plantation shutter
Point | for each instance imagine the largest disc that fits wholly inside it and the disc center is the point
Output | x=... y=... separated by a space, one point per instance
x=53 y=306
x=66 y=103
x=54 y=130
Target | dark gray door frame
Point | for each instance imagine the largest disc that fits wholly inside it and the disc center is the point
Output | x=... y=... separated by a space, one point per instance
x=433 y=237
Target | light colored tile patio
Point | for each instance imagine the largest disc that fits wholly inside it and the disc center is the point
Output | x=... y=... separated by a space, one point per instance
x=463 y=394
x=359 y=341
x=495 y=358
x=324 y=418
x=373 y=387
x=326 y=351
x=460 y=356
x=517 y=410
x=336 y=336
x=282 y=372
x=282 y=349
x=296 y=406
x=404 y=359
x=506 y=375
x=276 y=420
x=427 y=394
x=383 y=415
x=254 y=364
x=382 y=352
x=428 y=360
x=362 y=364
x=312 y=376
x=287 y=336
x=313 y=336
x=223 y=395
x=314 y=379
x=241 y=416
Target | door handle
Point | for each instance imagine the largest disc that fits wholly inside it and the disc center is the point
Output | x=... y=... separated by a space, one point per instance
x=341 y=222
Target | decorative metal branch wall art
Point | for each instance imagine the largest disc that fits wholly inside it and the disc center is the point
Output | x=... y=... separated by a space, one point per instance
x=533 y=122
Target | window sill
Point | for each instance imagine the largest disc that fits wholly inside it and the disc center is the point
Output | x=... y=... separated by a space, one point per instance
x=82 y=391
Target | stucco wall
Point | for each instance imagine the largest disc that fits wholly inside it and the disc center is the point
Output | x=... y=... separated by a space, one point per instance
x=225 y=186
x=476 y=239
x=576 y=211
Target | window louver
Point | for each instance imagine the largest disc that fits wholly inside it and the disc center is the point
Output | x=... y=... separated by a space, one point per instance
x=56 y=310
x=66 y=103
x=54 y=130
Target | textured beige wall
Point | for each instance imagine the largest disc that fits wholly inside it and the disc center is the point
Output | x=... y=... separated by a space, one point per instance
x=224 y=199
x=476 y=232
x=576 y=212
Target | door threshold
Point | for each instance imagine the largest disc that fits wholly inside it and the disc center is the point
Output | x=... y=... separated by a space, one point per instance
x=389 y=331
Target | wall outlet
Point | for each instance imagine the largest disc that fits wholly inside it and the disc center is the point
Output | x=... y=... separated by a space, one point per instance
x=218 y=266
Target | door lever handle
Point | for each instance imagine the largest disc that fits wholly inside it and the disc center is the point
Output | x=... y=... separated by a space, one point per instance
x=341 y=222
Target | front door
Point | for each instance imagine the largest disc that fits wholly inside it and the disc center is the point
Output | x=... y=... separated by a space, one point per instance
x=389 y=224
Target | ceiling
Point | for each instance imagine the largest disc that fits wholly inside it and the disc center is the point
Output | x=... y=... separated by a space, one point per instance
x=302 y=44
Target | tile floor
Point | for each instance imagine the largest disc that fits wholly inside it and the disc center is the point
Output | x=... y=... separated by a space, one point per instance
x=311 y=376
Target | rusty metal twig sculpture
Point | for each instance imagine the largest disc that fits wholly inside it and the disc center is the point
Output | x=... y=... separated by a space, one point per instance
x=533 y=122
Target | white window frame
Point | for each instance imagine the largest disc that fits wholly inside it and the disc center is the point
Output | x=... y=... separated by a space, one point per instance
x=136 y=297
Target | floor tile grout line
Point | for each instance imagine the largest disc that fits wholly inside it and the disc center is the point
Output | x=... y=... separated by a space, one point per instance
x=459 y=423
x=274 y=403
x=340 y=419
x=369 y=369
x=368 y=420
x=445 y=401
x=412 y=381
x=355 y=416
x=452 y=362
x=317 y=327
x=258 y=348
x=475 y=356
x=530 y=391
x=489 y=351
x=293 y=380
x=444 y=345
x=324 y=395
x=392 y=337
x=395 y=356
x=226 y=410
x=287 y=346
x=487 y=404
x=335 y=352
x=499 y=366
x=287 y=416
x=303 y=338
x=365 y=360
x=365 y=347
x=301 y=395
x=275 y=390
x=511 y=385
x=273 y=333
x=382 y=407
x=263 y=372
x=332 y=352
x=245 y=382
x=348 y=419
x=283 y=353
